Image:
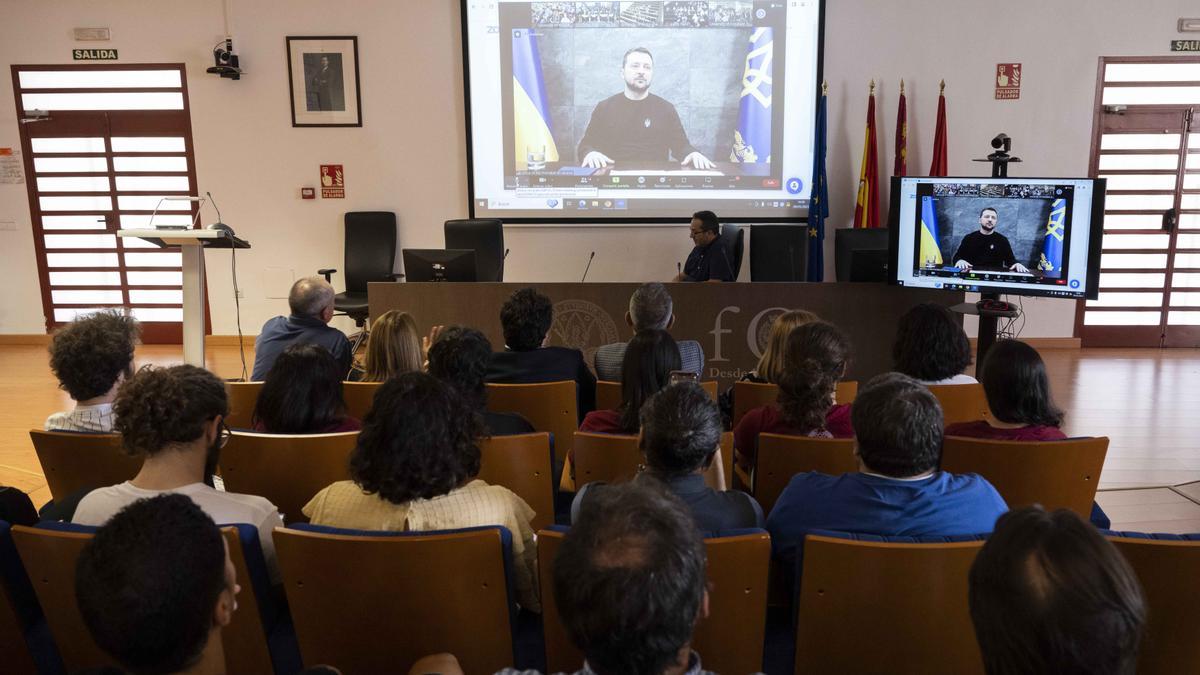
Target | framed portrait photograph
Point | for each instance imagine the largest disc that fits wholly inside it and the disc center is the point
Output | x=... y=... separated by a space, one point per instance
x=323 y=79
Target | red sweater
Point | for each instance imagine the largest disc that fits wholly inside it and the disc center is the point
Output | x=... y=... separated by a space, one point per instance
x=769 y=420
x=603 y=422
x=981 y=429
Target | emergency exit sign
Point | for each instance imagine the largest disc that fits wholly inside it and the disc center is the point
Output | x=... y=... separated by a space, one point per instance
x=94 y=54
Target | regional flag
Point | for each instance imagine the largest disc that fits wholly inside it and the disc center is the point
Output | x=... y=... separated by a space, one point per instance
x=532 y=139
x=866 y=209
x=752 y=138
x=818 y=205
x=939 y=165
x=931 y=253
x=900 y=168
x=1052 y=247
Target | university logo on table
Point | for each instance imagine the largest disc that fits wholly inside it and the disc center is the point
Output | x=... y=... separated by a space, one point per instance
x=583 y=325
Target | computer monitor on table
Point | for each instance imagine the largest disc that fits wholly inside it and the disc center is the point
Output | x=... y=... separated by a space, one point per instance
x=438 y=264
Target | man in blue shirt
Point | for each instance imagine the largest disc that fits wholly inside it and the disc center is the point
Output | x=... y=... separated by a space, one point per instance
x=708 y=261
x=898 y=489
x=311 y=302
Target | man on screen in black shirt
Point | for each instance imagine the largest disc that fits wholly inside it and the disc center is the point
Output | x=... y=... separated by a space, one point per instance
x=987 y=249
x=637 y=126
x=708 y=261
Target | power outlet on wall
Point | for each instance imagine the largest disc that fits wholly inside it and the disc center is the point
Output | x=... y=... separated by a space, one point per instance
x=240 y=294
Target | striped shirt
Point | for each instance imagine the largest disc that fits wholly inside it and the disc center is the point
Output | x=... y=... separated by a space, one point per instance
x=92 y=418
x=609 y=358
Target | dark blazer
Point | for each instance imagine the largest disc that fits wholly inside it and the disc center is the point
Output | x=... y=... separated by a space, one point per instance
x=547 y=364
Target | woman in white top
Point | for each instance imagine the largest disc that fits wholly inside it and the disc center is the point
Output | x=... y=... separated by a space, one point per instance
x=931 y=346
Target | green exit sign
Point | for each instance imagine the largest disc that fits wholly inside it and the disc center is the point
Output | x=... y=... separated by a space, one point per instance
x=94 y=54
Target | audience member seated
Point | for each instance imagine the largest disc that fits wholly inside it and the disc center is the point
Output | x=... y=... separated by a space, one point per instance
x=311 y=303
x=91 y=357
x=898 y=489
x=630 y=583
x=931 y=347
x=175 y=418
x=1018 y=395
x=650 y=308
x=393 y=348
x=526 y=319
x=681 y=433
x=16 y=508
x=1050 y=595
x=302 y=394
x=459 y=357
x=770 y=364
x=414 y=469
x=648 y=362
x=815 y=360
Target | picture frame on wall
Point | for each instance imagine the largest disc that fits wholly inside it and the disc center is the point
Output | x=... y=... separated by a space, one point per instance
x=323 y=81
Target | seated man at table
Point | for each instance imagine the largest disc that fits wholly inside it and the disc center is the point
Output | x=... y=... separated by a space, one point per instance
x=311 y=302
x=91 y=357
x=650 y=308
x=526 y=319
x=898 y=489
x=708 y=261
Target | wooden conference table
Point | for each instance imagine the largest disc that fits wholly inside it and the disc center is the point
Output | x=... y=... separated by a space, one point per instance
x=731 y=321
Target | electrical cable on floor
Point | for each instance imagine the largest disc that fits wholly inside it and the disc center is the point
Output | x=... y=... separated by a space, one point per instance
x=237 y=303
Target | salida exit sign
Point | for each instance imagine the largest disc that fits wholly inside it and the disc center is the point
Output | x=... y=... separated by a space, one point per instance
x=94 y=54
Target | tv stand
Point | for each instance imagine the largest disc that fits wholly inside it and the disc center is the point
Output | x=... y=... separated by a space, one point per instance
x=987 y=323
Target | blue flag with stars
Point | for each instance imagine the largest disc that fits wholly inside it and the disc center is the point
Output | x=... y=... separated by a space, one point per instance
x=1052 y=248
x=818 y=206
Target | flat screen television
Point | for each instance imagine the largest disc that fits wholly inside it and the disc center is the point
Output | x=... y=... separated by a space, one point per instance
x=1021 y=236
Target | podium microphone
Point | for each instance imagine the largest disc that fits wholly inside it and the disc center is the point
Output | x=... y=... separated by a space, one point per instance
x=500 y=272
x=220 y=226
x=589 y=266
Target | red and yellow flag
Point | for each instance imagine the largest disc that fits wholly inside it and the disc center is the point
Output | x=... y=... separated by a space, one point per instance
x=900 y=168
x=938 y=167
x=866 y=210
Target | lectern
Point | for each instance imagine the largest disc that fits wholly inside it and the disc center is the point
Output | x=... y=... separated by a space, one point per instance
x=191 y=244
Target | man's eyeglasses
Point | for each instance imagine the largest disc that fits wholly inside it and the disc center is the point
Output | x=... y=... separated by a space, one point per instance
x=223 y=435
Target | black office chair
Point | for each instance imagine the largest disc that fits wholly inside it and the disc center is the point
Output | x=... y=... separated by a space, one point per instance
x=486 y=238
x=778 y=252
x=734 y=240
x=861 y=254
x=370 y=256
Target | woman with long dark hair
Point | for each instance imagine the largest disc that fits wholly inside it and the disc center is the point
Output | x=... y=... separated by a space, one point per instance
x=1018 y=395
x=302 y=394
x=646 y=368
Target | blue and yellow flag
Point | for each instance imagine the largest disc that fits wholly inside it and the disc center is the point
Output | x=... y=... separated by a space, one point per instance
x=531 y=108
x=931 y=253
x=818 y=205
x=752 y=139
x=1052 y=248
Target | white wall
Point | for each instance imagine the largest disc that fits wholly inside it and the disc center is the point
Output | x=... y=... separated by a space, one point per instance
x=410 y=154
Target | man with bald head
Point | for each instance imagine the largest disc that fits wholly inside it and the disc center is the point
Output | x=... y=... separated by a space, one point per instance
x=311 y=302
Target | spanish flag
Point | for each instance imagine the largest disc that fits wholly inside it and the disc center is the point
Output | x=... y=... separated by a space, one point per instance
x=531 y=109
x=866 y=210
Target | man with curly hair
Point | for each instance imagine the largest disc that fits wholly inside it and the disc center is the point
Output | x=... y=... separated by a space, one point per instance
x=174 y=418
x=91 y=357
x=526 y=319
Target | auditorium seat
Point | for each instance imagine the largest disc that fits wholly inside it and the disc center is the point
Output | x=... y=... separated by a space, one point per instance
x=608 y=394
x=780 y=457
x=74 y=461
x=1055 y=474
x=961 y=402
x=871 y=604
x=730 y=640
x=1166 y=566
x=375 y=602
x=286 y=469
x=522 y=463
x=359 y=397
x=25 y=642
x=612 y=458
x=243 y=396
x=549 y=406
x=750 y=395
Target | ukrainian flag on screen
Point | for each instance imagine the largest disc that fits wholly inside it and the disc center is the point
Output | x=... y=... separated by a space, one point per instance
x=931 y=253
x=1052 y=247
x=531 y=109
x=752 y=139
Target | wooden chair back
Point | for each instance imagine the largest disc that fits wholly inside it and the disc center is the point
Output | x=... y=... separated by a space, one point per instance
x=1055 y=474
x=750 y=395
x=1167 y=572
x=730 y=640
x=908 y=602
x=17 y=659
x=612 y=458
x=359 y=397
x=961 y=402
x=521 y=463
x=780 y=457
x=242 y=398
x=73 y=461
x=18 y=610
x=608 y=394
x=549 y=406
x=286 y=469
x=376 y=604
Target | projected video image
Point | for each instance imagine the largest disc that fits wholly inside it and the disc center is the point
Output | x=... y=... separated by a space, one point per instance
x=993 y=231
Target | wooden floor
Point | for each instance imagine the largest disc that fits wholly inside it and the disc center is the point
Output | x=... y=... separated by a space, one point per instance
x=1145 y=400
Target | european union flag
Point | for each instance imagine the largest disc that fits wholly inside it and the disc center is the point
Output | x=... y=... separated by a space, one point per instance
x=818 y=205
x=931 y=253
x=1052 y=247
x=533 y=141
x=752 y=139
